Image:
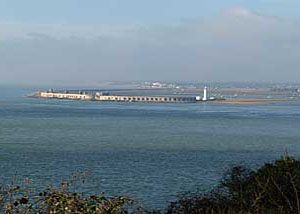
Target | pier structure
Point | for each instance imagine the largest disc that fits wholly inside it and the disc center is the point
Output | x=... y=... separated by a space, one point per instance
x=153 y=99
x=106 y=97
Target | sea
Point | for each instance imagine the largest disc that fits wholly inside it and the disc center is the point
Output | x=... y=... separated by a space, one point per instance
x=149 y=152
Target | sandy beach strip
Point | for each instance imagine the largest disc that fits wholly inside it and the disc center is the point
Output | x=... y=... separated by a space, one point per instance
x=252 y=101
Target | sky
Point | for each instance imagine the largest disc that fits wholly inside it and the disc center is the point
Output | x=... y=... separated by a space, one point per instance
x=91 y=41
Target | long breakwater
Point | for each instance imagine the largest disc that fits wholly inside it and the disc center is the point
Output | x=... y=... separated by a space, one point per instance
x=106 y=97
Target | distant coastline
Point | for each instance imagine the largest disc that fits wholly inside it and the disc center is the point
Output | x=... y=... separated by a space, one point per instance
x=107 y=97
x=104 y=96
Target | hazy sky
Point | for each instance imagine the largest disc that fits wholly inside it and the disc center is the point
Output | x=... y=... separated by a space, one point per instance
x=90 y=41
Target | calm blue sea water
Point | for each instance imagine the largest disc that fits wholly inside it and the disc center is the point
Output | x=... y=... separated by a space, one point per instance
x=147 y=151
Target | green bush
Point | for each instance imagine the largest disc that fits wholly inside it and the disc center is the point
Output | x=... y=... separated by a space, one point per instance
x=53 y=200
x=273 y=188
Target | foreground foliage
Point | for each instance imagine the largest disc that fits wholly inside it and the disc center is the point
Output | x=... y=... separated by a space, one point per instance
x=273 y=188
x=53 y=200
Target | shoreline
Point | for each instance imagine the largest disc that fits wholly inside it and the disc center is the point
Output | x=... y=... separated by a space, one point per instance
x=252 y=96
x=253 y=101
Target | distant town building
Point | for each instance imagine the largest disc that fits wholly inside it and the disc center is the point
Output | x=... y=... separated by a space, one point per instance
x=66 y=95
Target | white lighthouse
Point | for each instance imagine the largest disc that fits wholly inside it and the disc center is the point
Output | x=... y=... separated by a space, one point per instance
x=204 y=94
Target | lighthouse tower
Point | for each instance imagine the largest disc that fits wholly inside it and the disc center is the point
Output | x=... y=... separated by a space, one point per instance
x=204 y=94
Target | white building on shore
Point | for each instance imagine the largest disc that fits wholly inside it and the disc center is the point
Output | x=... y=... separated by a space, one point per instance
x=66 y=95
